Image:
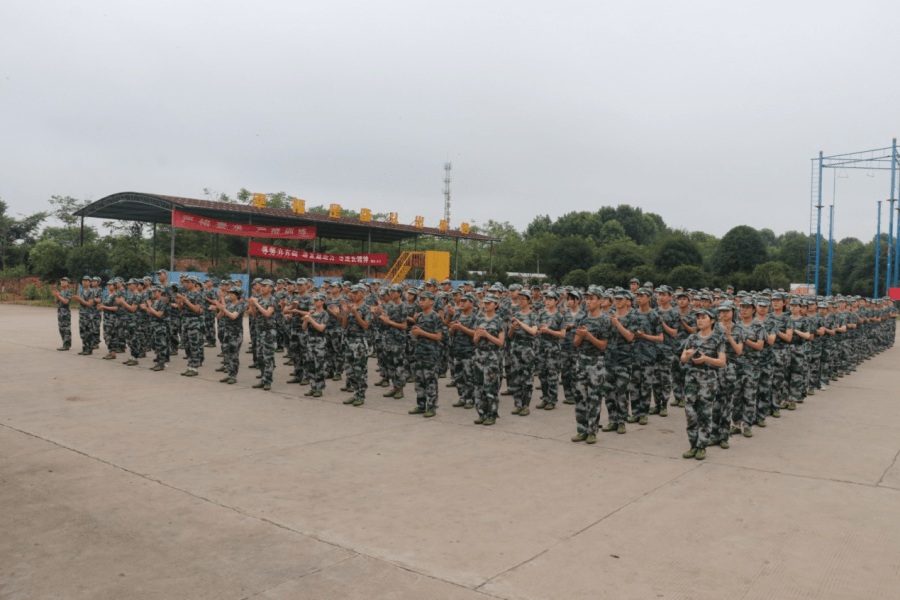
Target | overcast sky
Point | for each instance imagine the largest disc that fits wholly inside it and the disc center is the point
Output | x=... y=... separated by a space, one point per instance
x=707 y=113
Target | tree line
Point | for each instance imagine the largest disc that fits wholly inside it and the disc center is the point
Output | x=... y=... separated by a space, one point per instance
x=606 y=247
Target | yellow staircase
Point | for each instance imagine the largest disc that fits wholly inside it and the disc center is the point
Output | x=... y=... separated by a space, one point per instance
x=405 y=262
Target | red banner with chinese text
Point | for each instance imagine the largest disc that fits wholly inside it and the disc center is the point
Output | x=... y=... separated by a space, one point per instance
x=277 y=252
x=189 y=221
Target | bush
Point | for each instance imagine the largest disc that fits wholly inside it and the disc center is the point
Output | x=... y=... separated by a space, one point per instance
x=30 y=292
x=17 y=272
x=48 y=259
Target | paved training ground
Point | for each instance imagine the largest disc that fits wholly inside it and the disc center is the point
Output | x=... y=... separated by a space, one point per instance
x=119 y=483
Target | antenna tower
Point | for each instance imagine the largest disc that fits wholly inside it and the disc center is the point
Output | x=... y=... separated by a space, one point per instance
x=447 y=168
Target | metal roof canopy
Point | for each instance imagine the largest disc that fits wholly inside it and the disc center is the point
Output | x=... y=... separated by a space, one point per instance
x=154 y=208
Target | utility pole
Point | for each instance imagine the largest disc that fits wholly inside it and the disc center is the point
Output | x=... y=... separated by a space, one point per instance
x=447 y=168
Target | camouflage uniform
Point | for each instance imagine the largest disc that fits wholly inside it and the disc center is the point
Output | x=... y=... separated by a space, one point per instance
x=521 y=360
x=426 y=360
x=619 y=365
x=488 y=368
x=728 y=393
x=357 y=352
x=701 y=383
x=395 y=345
x=781 y=369
x=64 y=317
x=679 y=369
x=110 y=324
x=209 y=316
x=160 y=332
x=265 y=339
x=798 y=384
x=590 y=373
x=316 y=352
x=666 y=359
x=232 y=331
x=97 y=294
x=549 y=356
x=192 y=328
x=765 y=394
x=744 y=411
x=462 y=355
x=568 y=358
x=334 y=335
x=645 y=356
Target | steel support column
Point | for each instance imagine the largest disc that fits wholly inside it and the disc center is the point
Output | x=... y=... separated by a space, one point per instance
x=172 y=248
x=893 y=272
x=81 y=239
x=819 y=224
x=456 y=273
x=878 y=249
x=153 y=254
x=830 y=250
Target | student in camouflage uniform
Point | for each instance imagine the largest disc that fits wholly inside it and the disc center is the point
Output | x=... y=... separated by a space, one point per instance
x=315 y=324
x=687 y=326
x=815 y=348
x=552 y=330
x=781 y=369
x=335 y=333
x=64 y=313
x=230 y=313
x=743 y=414
x=392 y=316
x=97 y=292
x=210 y=297
x=489 y=338
x=191 y=304
x=730 y=375
x=156 y=309
x=592 y=332
x=704 y=353
x=265 y=306
x=648 y=335
x=568 y=355
x=765 y=394
x=379 y=336
x=462 y=349
x=619 y=360
x=798 y=384
x=356 y=318
x=523 y=328
x=666 y=359
x=129 y=301
x=426 y=358
x=85 y=316
x=110 y=309
x=252 y=320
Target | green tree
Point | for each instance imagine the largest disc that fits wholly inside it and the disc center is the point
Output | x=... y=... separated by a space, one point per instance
x=626 y=255
x=677 y=251
x=574 y=252
x=91 y=260
x=16 y=230
x=794 y=250
x=540 y=224
x=688 y=276
x=607 y=275
x=48 y=260
x=772 y=275
x=741 y=249
x=612 y=231
x=577 y=278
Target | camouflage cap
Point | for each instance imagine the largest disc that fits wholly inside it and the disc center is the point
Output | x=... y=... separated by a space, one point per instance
x=634 y=280
x=66 y=279
x=431 y=281
x=86 y=278
x=574 y=294
x=491 y=298
x=594 y=290
x=413 y=291
x=664 y=289
x=162 y=272
x=643 y=291
x=95 y=278
x=797 y=302
x=550 y=294
x=470 y=297
x=823 y=305
x=747 y=301
x=708 y=312
x=358 y=288
x=427 y=295
x=727 y=305
x=648 y=284
x=319 y=296
x=763 y=301
x=385 y=291
x=267 y=282
x=683 y=294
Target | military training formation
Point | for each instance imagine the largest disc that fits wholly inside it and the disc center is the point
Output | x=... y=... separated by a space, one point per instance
x=731 y=359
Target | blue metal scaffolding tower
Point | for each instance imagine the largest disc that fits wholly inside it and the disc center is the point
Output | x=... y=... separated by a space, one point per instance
x=882 y=159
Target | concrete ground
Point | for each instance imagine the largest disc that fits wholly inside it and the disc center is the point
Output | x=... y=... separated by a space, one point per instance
x=117 y=482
